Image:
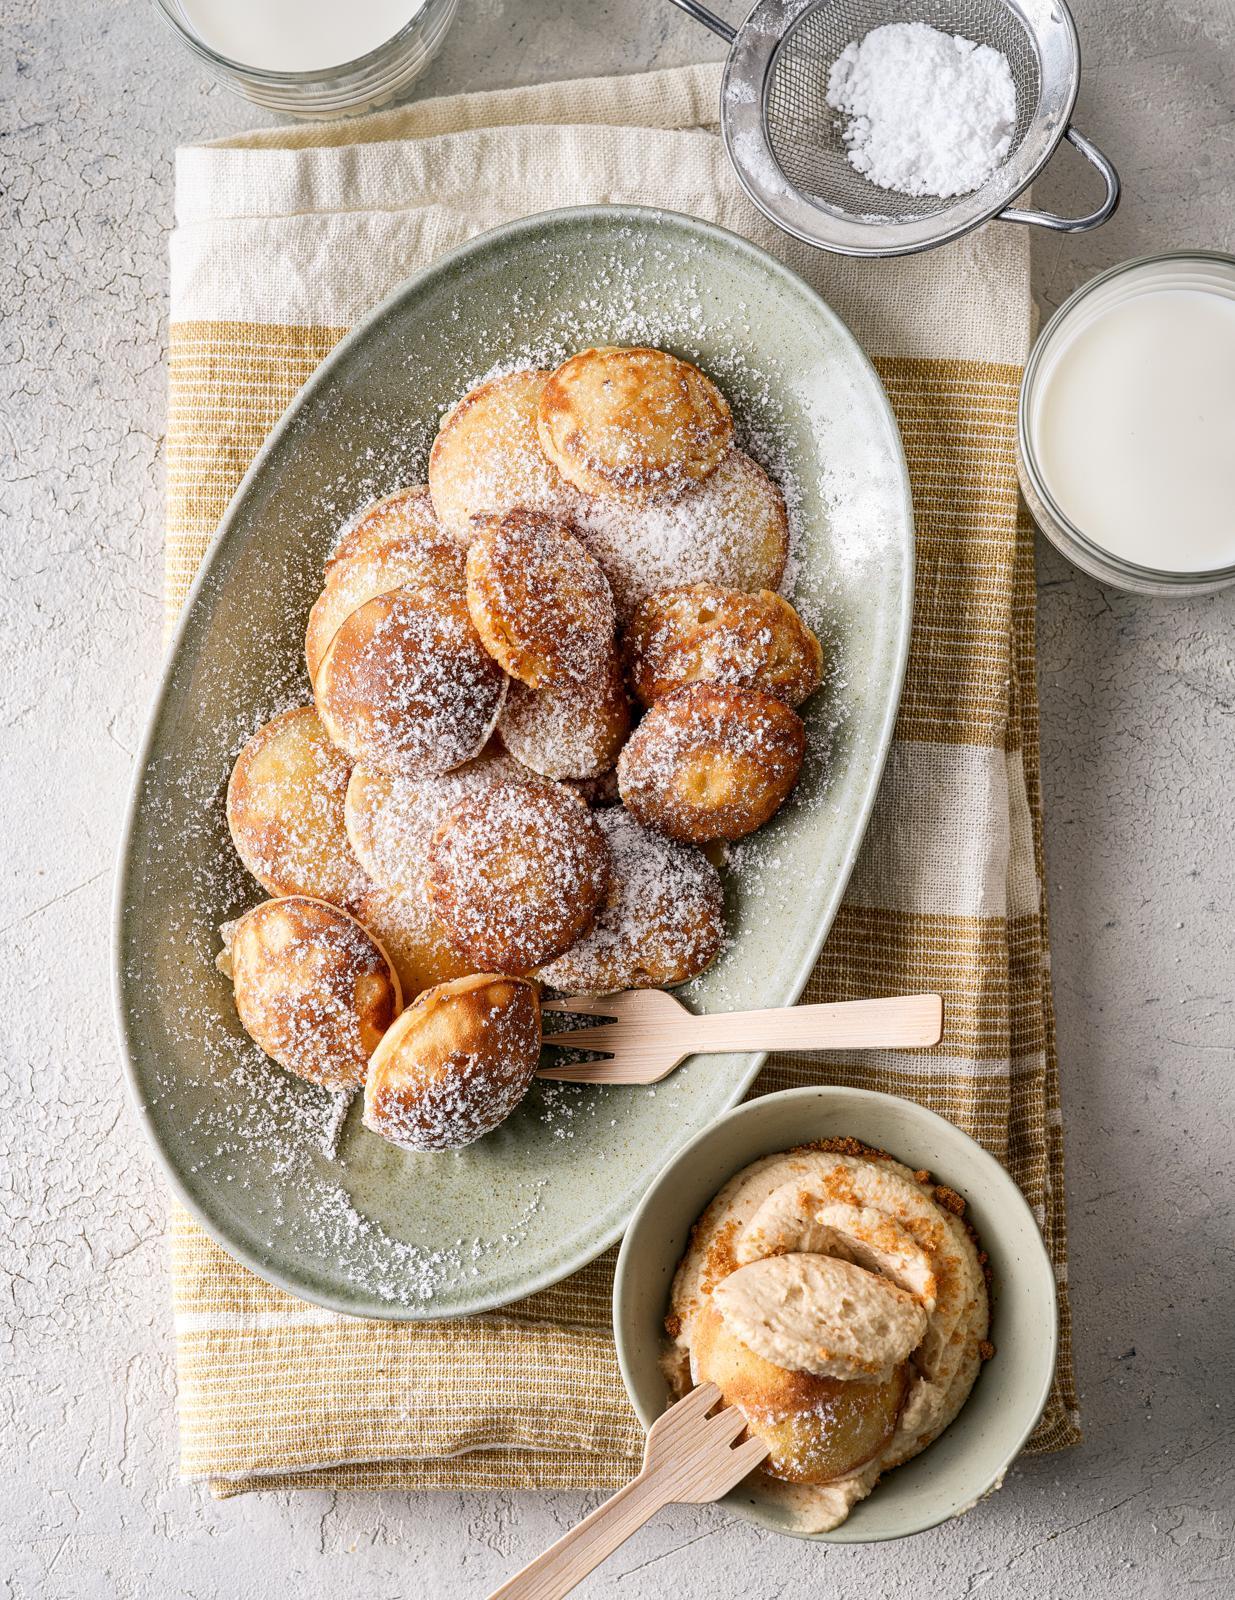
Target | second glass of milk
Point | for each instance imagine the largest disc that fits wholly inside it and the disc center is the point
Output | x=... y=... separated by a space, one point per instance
x=1126 y=437
x=313 y=58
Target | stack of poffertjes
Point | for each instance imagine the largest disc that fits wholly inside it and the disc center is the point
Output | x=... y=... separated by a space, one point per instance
x=542 y=684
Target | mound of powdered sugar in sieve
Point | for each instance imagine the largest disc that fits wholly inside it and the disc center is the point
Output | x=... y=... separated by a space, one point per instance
x=929 y=113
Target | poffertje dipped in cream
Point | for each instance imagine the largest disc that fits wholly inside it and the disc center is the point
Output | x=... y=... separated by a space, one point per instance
x=840 y=1301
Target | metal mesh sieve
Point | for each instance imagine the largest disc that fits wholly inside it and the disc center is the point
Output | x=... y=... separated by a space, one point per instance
x=805 y=132
x=786 y=143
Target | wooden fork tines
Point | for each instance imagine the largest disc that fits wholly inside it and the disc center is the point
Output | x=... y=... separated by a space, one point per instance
x=645 y=1033
x=690 y=1458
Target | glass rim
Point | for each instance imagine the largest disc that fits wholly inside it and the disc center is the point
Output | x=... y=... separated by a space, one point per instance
x=169 y=9
x=1166 y=576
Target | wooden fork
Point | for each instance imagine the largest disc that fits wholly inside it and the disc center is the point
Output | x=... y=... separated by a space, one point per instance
x=647 y=1032
x=689 y=1458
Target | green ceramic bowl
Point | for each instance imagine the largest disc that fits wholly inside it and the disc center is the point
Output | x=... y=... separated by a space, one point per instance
x=970 y=1458
x=376 y=1231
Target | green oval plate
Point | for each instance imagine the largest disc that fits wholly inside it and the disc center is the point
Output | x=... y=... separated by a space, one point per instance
x=371 y=1230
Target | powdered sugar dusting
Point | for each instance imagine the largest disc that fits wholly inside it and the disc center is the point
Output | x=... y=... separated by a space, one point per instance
x=455 y=1066
x=730 y=529
x=391 y=817
x=407 y=684
x=312 y=988
x=711 y=762
x=487 y=457
x=662 y=921
x=515 y=874
x=541 y=603
x=569 y=730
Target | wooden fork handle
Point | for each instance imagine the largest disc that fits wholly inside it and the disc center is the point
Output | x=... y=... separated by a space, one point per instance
x=901 y=1022
x=576 y=1553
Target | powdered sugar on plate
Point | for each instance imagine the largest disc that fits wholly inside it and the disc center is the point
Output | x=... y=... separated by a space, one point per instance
x=730 y=529
x=662 y=920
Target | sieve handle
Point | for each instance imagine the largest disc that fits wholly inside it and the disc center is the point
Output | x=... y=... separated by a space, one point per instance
x=709 y=19
x=1048 y=219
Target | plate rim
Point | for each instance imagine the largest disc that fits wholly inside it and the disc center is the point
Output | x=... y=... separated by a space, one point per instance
x=582 y=215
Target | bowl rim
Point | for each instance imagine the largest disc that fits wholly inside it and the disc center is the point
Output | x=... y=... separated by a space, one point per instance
x=990 y=1169
x=124 y=868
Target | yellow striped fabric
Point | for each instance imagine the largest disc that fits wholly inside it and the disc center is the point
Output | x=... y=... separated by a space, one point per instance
x=948 y=893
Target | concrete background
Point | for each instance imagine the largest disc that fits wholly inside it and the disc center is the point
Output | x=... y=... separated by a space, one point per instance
x=1139 y=717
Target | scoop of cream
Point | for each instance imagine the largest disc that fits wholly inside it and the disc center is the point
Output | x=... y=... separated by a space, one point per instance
x=813 y=1313
x=798 y=1217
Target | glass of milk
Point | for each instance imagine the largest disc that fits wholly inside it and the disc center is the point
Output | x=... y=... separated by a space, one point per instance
x=1126 y=432
x=313 y=58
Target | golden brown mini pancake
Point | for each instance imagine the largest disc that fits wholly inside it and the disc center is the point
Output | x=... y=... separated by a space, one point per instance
x=516 y=873
x=817 y=1429
x=634 y=423
x=455 y=1064
x=569 y=730
x=703 y=633
x=285 y=810
x=487 y=458
x=540 y=603
x=391 y=819
x=427 y=568
x=709 y=762
x=400 y=519
x=414 y=940
x=731 y=529
x=662 y=920
x=313 y=988
x=407 y=686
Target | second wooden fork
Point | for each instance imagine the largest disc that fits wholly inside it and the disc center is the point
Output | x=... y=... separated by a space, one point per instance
x=690 y=1458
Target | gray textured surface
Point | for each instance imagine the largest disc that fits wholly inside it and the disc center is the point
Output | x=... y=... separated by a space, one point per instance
x=1139 y=714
